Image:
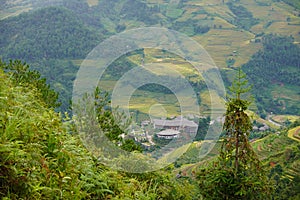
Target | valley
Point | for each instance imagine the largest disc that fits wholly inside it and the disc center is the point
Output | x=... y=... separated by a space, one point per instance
x=59 y=37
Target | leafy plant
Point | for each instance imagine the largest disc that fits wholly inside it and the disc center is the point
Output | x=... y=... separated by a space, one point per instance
x=22 y=75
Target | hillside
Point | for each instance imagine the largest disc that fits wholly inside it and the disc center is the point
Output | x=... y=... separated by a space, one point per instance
x=50 y=33
x=43 y=157
x=61 y=33
x=281 y=154
x=220 y=26
x=278 y=152
x=275 y=75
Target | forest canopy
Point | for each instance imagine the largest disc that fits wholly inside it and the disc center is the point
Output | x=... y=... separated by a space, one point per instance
x=276 y=68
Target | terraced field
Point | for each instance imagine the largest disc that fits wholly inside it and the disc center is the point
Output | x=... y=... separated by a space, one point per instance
x=295 y=133
x=284 y=118
x=272 y=147
x=275 y=148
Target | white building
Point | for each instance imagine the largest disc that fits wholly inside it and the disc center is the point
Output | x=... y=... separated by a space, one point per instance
x=168 y=134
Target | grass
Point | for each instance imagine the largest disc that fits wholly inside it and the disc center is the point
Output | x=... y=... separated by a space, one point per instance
x=261 y=12
x=173 y=12
x=176 y=153
x=77 y=62
x=149 y=103
x=220 y=44
x=223 y=22
x=162 y=105
x=172 y=69
x=284 y=118
x=188 y=169
x=107 y=85
x=108 y=24
x=209 y=100
x=271 y=145
x=219 y=10
x=284 y=28
x=278 y=13
x=286 y=94
x=93 y=2
x=294 y=133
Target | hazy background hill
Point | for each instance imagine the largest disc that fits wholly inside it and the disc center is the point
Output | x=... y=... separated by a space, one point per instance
x=225 y=26
x=55 y=36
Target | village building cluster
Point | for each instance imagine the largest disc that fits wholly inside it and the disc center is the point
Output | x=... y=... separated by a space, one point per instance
x=172 y=128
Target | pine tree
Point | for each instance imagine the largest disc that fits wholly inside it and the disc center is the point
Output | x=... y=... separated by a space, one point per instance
x=237 y=173
x=237 y=126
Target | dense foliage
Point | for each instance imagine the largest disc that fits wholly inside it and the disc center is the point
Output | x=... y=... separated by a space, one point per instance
x=243 y=17
x=111 y=125
x=47 y=33
x=293 y=3
x=203 y=125
x=40 y=160
x=276 y=68
x=111 y=16
x=285 y=166
x=190 y=27
x=21 y=75
x=59 y=74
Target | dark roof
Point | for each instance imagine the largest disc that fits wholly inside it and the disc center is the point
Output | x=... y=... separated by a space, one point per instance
x=179 y=121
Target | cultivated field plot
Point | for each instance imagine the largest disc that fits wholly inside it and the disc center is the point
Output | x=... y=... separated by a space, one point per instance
x=295 y=133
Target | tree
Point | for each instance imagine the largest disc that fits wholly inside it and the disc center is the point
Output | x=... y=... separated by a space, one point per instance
x=21 y=75
x=237 y=124
x=202 y=128
x=237 y=173
x=113 y=123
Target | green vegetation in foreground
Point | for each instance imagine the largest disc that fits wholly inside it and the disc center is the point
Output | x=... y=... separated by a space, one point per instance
x=40 y=159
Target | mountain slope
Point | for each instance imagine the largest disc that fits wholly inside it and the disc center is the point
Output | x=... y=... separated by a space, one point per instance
x=61 y=37
x=44 y=34
x=220 y=26
x=274 y=72
x=40 y=159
